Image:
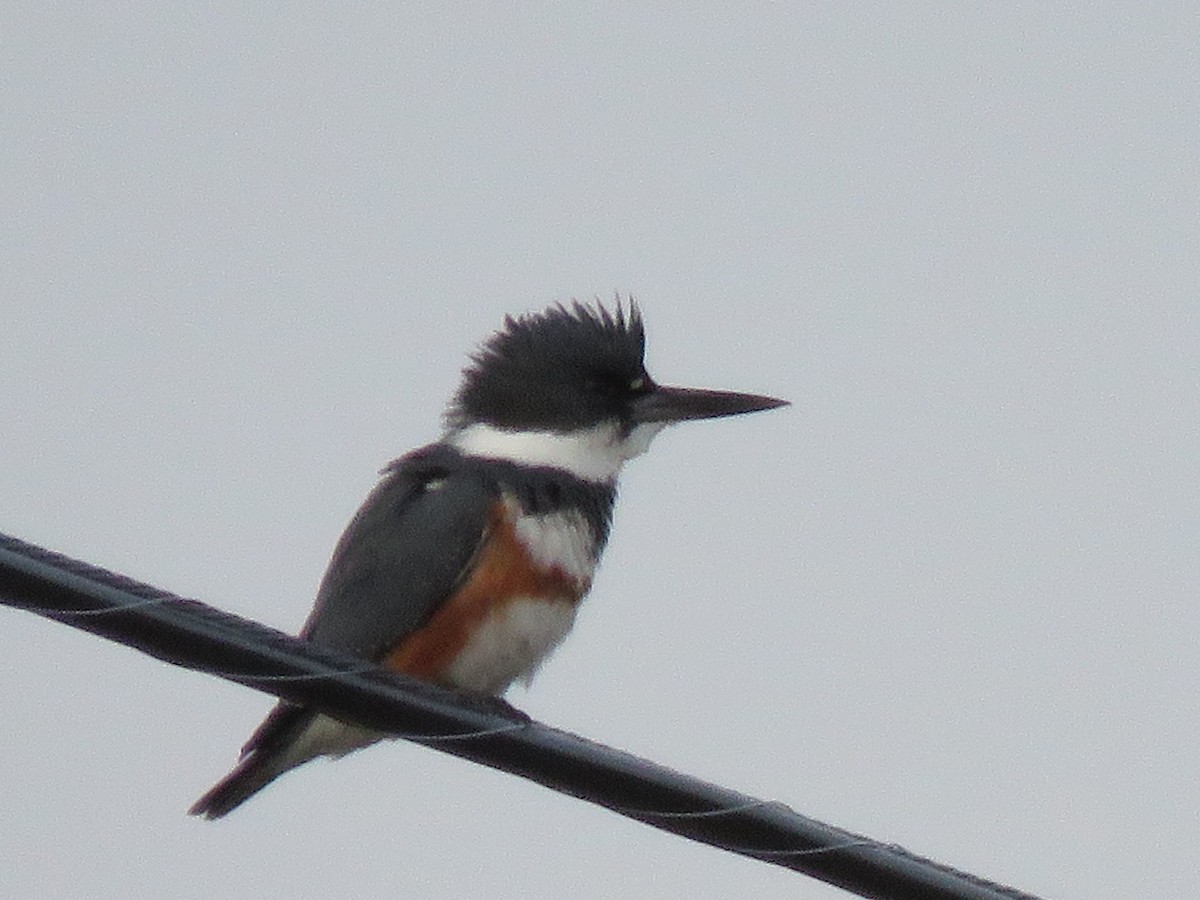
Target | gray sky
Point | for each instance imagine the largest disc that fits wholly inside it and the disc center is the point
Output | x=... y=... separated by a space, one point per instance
x=948 y=599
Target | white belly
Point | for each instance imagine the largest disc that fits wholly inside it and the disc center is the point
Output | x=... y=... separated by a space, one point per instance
x=510 y=644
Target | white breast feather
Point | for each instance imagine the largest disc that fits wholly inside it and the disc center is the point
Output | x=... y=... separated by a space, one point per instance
x=510 y=644
x=515 y=639
x=561 y=540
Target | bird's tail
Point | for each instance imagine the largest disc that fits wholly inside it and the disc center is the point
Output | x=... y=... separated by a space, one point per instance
x=251 y=775
x=268 y=754
x=289 y=736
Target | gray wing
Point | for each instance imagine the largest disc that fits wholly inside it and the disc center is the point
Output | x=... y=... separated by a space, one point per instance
x=405 y=551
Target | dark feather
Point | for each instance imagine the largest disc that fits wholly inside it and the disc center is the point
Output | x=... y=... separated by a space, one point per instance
x=406 y=550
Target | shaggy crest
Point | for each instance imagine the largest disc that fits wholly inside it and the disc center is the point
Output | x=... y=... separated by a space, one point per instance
x=529 y=374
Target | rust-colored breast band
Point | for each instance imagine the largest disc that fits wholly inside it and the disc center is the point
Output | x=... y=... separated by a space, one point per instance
x=503 y=572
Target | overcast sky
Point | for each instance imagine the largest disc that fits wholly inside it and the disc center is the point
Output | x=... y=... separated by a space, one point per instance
x=947 y=599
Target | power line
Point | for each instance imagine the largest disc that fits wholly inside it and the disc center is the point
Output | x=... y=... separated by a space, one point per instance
x=196 y=636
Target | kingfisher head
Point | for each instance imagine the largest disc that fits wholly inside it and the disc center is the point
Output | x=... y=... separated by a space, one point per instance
x=568 y=388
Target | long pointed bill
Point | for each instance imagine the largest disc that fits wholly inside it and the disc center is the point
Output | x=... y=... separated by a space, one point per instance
x=676 y=404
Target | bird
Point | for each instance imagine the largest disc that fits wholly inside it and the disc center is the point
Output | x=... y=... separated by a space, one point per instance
x=466 y=564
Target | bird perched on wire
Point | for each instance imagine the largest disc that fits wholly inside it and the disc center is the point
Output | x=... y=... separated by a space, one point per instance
x=466 y=564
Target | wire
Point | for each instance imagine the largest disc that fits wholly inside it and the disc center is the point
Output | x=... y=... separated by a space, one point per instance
x=486 y=730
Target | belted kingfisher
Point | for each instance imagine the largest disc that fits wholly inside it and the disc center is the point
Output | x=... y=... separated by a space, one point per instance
x=466 y=564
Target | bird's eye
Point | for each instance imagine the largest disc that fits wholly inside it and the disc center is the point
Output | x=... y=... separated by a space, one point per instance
x=641 y=385
x=615 y=385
